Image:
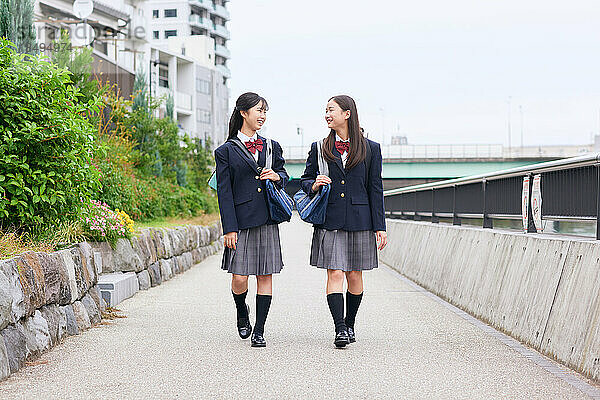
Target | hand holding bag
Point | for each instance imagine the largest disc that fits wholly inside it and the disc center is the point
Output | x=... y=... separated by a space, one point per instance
x=280 y=204
x=312 y=208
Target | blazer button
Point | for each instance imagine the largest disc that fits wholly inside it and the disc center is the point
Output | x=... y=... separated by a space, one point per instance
x=259 y=190
x=343 y=182
x=342 y=195
x=256 y=177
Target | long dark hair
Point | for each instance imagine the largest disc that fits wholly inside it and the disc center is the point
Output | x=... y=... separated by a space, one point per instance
x=243 y=103
x=358 y=149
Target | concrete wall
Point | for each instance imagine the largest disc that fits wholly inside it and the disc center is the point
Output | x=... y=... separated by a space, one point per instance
x=543 y=290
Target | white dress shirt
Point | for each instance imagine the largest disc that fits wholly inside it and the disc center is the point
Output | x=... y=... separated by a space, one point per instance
x=245 y=138
x=345 y=155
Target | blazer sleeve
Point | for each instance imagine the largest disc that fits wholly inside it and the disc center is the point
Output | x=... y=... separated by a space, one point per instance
x=278 y=166
x=310 y=171
x=375 y=189
x=225 y=192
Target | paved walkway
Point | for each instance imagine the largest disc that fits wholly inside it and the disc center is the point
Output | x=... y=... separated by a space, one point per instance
x=179 y=341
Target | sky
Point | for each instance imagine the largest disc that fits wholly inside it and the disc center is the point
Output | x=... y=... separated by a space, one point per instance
x=436 y=71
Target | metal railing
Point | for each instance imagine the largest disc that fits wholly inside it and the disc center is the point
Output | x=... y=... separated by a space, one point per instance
x=569 y=189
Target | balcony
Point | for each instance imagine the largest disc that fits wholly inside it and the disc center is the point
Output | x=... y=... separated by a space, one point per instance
x=184 y=102
x=205 y=4
x=222 y=12
x=221 y=31
x=222 y=51
x=200 y=22
x=224 y=71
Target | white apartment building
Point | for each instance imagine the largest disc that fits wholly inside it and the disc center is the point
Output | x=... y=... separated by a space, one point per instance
x=119 y=39
x=189 y=66
x=185 y=18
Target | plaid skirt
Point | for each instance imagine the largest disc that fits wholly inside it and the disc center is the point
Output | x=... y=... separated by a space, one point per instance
x=258 y=252
x=348 y=251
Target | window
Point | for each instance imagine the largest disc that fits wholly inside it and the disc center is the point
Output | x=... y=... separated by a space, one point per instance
x=171 y=13
x=203 y=116
x=163 y=77
x=156 y=34
x=168 y=34
x=155 y=14
x=203 y=86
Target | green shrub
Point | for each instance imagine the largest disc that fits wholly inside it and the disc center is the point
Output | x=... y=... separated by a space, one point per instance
x=46 y=143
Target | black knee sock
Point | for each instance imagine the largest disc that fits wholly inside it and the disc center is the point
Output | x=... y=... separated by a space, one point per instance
x=263 y=303
x=240 y=305
x=336 y=306
x=352 y=304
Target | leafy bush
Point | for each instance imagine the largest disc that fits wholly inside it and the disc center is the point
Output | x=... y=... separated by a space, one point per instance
x=46 y=143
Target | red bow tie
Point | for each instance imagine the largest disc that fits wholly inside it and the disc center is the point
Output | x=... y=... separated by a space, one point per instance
x=342 y=147
x=254 y=145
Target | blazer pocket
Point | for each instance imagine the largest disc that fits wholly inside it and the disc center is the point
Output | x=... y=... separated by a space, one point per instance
x=242 y=199
x=360 y=200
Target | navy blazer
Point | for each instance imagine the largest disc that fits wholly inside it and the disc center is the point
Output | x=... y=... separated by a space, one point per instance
x=354 y=204
x=242 y=195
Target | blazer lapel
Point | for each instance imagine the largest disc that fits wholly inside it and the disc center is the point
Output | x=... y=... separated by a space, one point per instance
x=246 y=155
x=338 y=160
x=262 y=155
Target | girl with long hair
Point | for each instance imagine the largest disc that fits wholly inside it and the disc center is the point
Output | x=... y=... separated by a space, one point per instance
x=251 y=237
x=346 y=243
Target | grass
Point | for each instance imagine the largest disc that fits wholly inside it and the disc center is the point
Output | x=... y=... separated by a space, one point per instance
x=13 y=243
x=206 y=219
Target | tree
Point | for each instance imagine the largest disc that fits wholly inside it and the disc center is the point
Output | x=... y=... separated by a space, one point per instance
x=79 y=63
x=16 y=24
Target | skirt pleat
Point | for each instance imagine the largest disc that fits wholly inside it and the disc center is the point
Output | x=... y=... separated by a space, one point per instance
x=344 y=250
x=258 y=252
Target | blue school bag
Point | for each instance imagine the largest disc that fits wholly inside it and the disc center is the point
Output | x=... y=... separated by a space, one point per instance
x=312 y=208
x=280 y=204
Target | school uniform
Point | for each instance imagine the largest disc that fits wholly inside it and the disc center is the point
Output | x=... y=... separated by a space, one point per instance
x=355 y=210
x=243 y=206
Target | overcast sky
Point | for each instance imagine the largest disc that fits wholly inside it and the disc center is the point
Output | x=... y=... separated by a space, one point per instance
x=437 y=71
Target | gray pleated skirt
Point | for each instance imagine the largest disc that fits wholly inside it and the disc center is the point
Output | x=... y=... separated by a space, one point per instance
x=258 y=252
x=348 y=251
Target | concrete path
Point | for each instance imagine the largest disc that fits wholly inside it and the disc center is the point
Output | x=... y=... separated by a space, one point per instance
x=179 y=341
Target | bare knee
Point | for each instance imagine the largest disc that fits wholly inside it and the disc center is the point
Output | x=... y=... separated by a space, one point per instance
x=264 y=279
x=335 y=275
x=264 y=284
x=355 y=281
x=239 y=283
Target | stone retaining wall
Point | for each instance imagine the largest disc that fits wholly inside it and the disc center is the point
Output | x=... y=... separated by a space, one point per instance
x=46 y=297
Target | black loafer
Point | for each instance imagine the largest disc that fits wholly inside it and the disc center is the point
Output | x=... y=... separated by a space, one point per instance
x=258 y=340
x=351 y=336
x=244 y=327
x=341 y=339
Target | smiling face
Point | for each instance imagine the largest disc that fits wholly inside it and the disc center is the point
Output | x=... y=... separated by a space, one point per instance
x=255 y=117
x=335 y=117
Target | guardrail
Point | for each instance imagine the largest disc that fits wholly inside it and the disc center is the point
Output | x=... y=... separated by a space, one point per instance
x=569 y=191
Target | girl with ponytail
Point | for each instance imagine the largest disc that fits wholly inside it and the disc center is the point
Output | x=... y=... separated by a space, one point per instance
x=252 y=244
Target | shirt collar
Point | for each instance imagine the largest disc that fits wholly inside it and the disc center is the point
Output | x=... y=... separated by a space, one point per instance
x=338 y=138
x=245 y=138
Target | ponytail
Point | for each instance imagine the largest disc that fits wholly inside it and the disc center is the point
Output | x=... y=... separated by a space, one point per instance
x=243 y=103
x=235 y=123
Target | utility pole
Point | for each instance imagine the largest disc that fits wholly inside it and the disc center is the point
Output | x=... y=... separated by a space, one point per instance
x=521 y=117
x=509 y=123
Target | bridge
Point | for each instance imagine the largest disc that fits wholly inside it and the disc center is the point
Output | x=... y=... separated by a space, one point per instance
x=406 y=165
